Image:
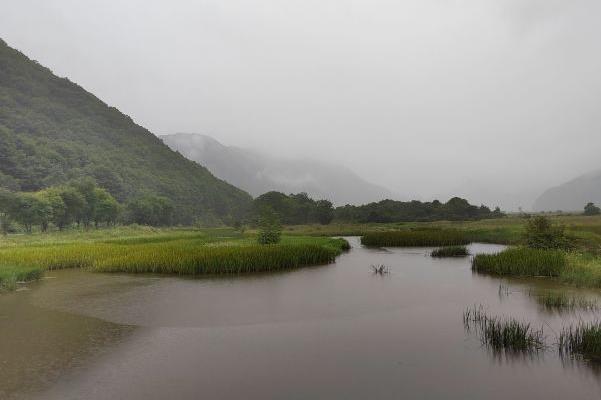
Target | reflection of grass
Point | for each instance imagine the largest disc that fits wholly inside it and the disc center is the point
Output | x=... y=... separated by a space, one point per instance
x=503 y=334
x=583 y=339
x=163 y=251
x=558 y=301
x=450 y=251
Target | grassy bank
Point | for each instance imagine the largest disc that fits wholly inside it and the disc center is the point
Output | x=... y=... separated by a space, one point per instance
x=177 y=251
x=422 y=237
x=521 y=261
x=571 y=268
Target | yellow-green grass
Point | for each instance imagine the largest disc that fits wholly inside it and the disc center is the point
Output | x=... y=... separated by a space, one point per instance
x=509 y=230
x=415 y=238
x=163 y=251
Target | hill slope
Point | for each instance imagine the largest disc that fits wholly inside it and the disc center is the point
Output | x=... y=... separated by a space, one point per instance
x=52 y=130
x=572 y=195
x=258 y=173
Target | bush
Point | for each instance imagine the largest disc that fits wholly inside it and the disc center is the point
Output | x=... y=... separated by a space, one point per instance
x=542 y=234
x=270 y=230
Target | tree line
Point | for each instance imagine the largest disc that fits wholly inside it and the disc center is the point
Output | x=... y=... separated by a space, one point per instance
x=79 y=202
x=296 y=209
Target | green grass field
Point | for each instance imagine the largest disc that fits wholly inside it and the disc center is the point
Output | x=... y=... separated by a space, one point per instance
x=25 y=257
x=142 y=249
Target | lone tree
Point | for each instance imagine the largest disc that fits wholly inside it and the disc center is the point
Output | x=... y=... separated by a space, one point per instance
x=591 y=209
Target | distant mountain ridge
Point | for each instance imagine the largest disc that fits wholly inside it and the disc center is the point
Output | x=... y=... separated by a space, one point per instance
x=259 y=173
x=52 y=130
x=572 y=195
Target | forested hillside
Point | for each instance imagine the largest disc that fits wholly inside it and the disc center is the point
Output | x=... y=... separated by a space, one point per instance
x=53 y=131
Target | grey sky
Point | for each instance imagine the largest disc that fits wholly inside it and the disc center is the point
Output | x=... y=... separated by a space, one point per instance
x=428 y=97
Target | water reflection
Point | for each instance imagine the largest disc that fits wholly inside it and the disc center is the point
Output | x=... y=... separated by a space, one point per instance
x=332 y=331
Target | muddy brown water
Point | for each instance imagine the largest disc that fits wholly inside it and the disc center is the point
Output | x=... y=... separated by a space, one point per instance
x=336 y=331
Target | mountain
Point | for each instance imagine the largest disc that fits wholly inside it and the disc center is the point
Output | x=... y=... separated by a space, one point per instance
x=259 y=173
x=52 y=130
x=572 y=195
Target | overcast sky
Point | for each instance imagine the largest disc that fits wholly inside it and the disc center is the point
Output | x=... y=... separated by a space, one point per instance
x=491 y=99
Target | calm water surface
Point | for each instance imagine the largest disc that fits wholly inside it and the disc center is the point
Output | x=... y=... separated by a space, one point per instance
x=326 y=332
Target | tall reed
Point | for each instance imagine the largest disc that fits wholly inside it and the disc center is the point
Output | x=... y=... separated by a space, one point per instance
x=521 y=261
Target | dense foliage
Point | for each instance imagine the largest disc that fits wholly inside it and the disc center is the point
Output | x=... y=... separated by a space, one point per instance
x=398 y=211
x=53 y=131
x=80 y=201
x=295 y=209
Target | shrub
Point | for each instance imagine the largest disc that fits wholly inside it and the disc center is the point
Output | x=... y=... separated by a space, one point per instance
x=542 y=234
x=270 y=230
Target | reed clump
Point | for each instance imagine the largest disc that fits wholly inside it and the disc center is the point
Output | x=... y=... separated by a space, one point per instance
x=450 y=251
x=583 y=340
x=522 y=261
x=503 y=334
x=415 y=238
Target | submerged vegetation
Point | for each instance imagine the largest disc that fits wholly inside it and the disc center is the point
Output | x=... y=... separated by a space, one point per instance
x=414 y=238
x=450 y=251
x=582 y=340
x=503 y=334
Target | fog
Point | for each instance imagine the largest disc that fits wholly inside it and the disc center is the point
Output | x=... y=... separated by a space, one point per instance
x=490 y=99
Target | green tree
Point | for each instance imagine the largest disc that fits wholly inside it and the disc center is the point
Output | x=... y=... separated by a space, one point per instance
x=591 y=209
x=52 y=197
x=7 y=207
x=150 y=210
x=75 y=204
x=32 y=209
x=107 y=209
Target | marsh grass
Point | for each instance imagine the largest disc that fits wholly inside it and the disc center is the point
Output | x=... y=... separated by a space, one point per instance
x=450 y=251
x=415 y=238
x=521 y=261
x=503 y=334
x=218 y=260
x=174 y=252
x=583 y=340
